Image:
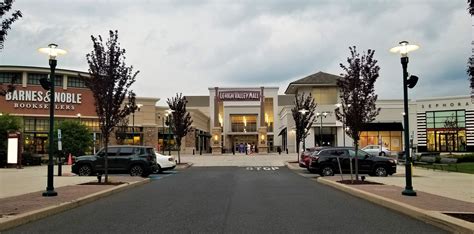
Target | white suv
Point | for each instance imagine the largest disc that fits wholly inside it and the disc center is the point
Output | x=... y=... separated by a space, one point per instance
x=375 y=150
x=164 y=162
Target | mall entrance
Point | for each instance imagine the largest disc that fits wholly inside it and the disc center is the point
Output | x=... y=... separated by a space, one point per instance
x=237 y=140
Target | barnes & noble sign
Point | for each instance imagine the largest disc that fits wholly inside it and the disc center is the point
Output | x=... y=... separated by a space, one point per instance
x=34 y=99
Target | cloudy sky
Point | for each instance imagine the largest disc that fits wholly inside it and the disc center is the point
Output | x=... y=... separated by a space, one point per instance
x=188 y=46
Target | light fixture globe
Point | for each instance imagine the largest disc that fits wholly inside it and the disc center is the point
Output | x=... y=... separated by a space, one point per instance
x=52 y=50
x=403 y=48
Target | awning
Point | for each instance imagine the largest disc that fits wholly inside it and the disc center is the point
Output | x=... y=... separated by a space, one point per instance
x=393 y=126
x=282 y=131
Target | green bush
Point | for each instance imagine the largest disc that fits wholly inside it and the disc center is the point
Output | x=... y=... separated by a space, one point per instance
x=464 y=157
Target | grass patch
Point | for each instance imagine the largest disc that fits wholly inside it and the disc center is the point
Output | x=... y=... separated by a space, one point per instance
x=467 y=167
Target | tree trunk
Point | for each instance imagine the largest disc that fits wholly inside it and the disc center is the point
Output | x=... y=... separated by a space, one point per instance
x=297 y=151
x=178 y=142
x=106 y=160
x=356 y=160
x=179 y=154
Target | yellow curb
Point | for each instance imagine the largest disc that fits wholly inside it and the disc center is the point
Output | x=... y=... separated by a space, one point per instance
x=438 y=219
x=17 y=220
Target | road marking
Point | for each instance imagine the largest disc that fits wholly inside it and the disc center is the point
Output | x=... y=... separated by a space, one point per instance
x=160 y=176
x=262 y=168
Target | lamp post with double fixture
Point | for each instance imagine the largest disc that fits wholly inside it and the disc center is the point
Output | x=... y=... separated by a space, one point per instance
x=321 y=115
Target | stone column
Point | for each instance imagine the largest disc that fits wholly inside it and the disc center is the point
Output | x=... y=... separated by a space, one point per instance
x=262 y=140
x=150 y=136
x=262 y=130
x=216 y=140
x=216 y=131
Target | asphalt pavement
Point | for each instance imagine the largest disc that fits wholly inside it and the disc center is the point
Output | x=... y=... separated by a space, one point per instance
x=230 y=200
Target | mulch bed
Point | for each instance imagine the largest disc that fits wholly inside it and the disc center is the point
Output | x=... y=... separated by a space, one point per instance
x=464 y=216
x=357 y=182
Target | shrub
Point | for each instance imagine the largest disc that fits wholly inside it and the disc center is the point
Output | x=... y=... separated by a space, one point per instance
x=464 y=157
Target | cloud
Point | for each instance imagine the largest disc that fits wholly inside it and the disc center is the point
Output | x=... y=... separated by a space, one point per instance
x=188 y=46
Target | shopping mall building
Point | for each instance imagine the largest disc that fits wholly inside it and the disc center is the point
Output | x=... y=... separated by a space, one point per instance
x=231 y=116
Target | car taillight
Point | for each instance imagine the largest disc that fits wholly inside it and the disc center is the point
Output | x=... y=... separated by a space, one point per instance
x=149 y=158
x=171 y=159
x=313 y=159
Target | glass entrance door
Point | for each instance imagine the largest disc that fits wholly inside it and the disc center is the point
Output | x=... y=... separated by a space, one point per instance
x=447 y=142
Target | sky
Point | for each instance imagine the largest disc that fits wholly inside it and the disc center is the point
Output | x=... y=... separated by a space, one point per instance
x=188 y=46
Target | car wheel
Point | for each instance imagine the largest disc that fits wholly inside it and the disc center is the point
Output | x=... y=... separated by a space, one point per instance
x=327 y=171
x=380 y=171
x=159 y=170
x=85 y=170
x=137 y=170
x=382 y=153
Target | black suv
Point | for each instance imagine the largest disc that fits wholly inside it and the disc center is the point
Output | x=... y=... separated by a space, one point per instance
x=325 y=162
x=136 y=160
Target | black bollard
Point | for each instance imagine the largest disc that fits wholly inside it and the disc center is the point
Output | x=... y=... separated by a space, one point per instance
x=99 y=177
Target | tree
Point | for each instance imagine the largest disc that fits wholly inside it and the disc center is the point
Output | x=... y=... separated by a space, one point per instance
x=303 y=115
x=8 y=124
x=357 y=95
x=180 y=119
x=76 y=138
x=5 y=7
x=110 y=80
x=452 y=127
x=470 y=7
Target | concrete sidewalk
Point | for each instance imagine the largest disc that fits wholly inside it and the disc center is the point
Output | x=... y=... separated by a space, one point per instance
x=14 y=182
x=454 y=185
x=241 y=160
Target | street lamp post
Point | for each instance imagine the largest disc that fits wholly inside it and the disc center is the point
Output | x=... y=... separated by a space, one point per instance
x=53 y=52
x=133 y=122
x=321 y=115
x=163 y=129
x=403 y=49
x=169 y=111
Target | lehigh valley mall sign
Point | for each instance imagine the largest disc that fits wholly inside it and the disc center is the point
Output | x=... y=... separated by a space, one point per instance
x=239 y=95
x=32 y=99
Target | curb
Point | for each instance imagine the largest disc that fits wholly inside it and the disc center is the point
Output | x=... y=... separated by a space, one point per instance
x=34 y=215
x=188 y=165
x=438 y=219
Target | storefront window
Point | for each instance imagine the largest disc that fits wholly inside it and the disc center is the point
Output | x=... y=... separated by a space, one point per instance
x=327 y=137
x=34 y=79
x=446 y=131
x=389 y=139
x=243 y=123
x=75 y=82
x=269 y=114
x=10 y=77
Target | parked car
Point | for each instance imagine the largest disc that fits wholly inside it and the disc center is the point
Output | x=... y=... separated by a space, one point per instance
x=325 y=162
x=164 y=162
x=304 y=157
x=136 y=160
x=375 y=150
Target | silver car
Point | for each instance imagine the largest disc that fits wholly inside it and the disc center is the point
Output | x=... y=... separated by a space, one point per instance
x=376 y=150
